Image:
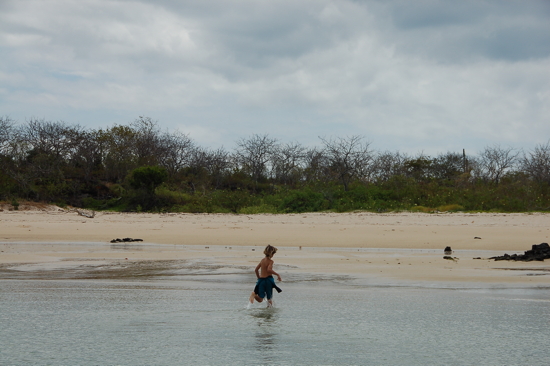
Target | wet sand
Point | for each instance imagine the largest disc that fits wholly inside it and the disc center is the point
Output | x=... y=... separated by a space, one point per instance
x=392 y=247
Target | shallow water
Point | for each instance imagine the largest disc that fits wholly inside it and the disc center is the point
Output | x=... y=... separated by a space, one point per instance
x=197 y=315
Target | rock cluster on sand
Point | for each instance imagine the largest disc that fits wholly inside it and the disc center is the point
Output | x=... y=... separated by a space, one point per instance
x=125 y=240
x=539 y=252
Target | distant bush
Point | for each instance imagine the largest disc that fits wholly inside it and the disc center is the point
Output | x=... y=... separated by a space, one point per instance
x=169 y=197
x=303 y=201
x=230 y=201
x=147 y=178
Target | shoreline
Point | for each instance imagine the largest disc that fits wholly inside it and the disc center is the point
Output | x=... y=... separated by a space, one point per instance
x=380 y=248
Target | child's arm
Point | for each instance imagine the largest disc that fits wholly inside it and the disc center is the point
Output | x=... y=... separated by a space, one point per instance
x=270 y=271
x=257 y=270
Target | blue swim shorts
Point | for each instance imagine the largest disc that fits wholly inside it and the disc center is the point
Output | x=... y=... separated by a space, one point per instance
x=265 y=287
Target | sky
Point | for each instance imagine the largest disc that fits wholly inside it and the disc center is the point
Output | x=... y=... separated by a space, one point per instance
x=421 y=76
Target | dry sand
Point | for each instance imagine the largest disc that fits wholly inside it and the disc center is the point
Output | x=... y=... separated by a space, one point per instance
x=391 y=247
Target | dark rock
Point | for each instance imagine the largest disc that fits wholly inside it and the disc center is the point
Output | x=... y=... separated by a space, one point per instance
x=538 y=252
x=542 y=247
x=448 y=250
x=125 y=240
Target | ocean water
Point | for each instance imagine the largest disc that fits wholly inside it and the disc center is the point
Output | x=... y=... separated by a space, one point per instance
x=197 y=315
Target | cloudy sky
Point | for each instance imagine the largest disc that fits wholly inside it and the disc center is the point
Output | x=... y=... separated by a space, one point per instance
x=414 y=76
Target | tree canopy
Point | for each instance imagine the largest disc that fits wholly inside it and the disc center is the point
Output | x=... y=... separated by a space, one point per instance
x=124 y=167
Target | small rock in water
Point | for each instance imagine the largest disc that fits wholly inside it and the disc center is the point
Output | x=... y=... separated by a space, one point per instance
x=448 y=250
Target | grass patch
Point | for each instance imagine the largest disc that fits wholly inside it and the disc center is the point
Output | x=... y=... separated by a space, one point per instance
x=450 y=208
x=421 y=209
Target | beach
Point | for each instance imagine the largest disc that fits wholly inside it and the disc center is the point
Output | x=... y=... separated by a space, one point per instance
x=380 y=247
x=358 y=288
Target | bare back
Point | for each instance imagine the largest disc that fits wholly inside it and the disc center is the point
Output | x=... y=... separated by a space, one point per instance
x=266 y=267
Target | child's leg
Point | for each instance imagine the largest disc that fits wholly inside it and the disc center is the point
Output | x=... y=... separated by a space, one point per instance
x=254 y=296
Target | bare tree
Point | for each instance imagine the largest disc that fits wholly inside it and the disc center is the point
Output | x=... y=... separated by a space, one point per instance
x=7 y=129
x=147 y=144
x=448 y=166
x=420 y=167
x=254 y=155
x=175 y=151
x=41 y=152
x=537 y=163
x=56 y=139
x=349 y=158
x=7 y=146
x=387 y=165
x=119 y=154
x=88 y=155
x=316 y=166
x=288 y=162
x=218 y=165
x=207 y=168
x=494 y=162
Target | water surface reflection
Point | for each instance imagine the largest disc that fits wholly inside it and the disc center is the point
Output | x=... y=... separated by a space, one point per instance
x=266 y=333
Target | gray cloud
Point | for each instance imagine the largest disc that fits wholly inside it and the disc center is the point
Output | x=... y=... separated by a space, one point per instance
x=464 y=31
x=423 y=75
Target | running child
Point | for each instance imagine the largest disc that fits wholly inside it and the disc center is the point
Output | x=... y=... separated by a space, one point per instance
x=264 y=271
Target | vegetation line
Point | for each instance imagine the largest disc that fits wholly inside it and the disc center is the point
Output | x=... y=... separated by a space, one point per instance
x=138 y=167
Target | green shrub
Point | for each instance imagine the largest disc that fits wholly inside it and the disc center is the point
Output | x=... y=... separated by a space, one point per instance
x=263 y=208
x=232 y=201
x=113 y=204
x=303 y=201
x=91 y=203
x=169 y=197
x=117 y=190
x=147 y=177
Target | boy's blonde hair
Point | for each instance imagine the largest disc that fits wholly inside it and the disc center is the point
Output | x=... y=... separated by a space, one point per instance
x=269 y=251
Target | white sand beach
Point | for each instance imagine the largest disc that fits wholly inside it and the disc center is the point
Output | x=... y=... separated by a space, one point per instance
x=390 y=246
